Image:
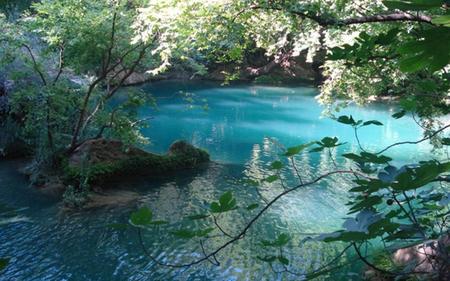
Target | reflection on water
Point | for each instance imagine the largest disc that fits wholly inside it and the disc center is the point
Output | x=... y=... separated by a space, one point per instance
x=245 y=130
x=240 y=117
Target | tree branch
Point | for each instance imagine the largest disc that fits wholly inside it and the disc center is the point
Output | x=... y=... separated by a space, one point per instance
x=386 y=18
x=61 y=64
x=414 y=142
x=331 y=22
x=35 y=65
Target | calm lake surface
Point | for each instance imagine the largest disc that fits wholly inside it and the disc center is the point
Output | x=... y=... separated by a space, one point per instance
x=243 y=128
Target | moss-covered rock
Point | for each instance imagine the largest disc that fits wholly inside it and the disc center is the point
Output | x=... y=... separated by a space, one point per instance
x=103 y=160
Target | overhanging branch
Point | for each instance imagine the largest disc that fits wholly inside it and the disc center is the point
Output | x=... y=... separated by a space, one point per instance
x=332 y=22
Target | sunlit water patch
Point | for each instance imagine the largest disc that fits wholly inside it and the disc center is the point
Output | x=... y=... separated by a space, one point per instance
x=244 y=128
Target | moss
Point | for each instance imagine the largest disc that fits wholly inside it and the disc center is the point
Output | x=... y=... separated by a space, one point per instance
x=150 y=165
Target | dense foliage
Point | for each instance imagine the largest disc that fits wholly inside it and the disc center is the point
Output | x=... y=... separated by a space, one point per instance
x=68 y=58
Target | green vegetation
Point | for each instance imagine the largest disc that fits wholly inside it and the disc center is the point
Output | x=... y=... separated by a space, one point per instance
x=69 y=58
x=146 y=165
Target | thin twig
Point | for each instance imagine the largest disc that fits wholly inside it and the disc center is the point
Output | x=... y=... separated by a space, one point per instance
x=35 y=64
x=415 y=142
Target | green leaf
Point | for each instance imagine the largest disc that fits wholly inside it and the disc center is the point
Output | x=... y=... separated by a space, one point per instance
x=215 y=207
x=198 y=217
x=317 y=149
x=416 y=177
x=184 y=233
x=272 y=178
x=366 y=203
x=141 y=217
x=283 y=260
x=268 y=259
x=399 y=114
x=189 y=234
x=344 y=236
x=354 y=157
x=226 y=203
x=382 y=226
x=291 y=151
x=252 y=207
x=428 y=51
x=329 y=142
x=442 y=20
x=387 y=38
x=372 y=122
x=374 y=158
x=118 y=226
x=226 y=198
x=367 y=157
x=348 y=120
x=203 y=232
x=427 y=85
x=414 y=63
x=4 y=263
x=413 y=5
x=369 y=186
x=277 y=165
x=445 y=141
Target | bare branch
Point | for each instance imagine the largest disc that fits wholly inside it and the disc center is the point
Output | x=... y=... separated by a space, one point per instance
x=61 y=64
x=386 y=18
x=415 y=142
x=220 y=228
x=35 y=64
x=214 y=261
x=130 y=71
x=111 y=44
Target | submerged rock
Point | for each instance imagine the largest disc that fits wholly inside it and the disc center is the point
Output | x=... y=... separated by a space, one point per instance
x=432 y=257
x=102 y=160
x=184 y=149
x=116 y=198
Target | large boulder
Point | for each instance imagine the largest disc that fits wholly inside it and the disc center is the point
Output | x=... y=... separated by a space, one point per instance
x=104 y=160
x=183 y=149
x=102 y=151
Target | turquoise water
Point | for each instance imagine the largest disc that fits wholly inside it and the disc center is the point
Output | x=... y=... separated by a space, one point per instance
x=243 y=128
x=241 y=119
